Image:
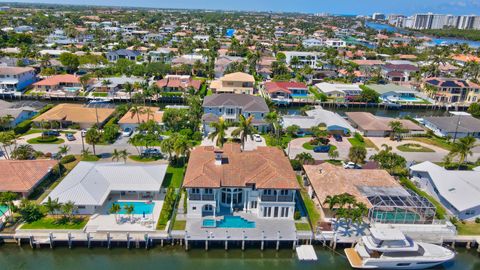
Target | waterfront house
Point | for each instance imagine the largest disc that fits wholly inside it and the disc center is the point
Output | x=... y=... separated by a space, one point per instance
x=131 y=55
x=67 y=114
x=312 y=43
x=264 y=66
x=163 y=55
x=451 y=90
x=227 y=181
x=23 y=176
x=334 y=122
x=457 y=191
x=230 y=106
x=339 y=92
x=223 y=62
x=18 y=113
x=378 y=126
x=395 y=93
x=16 y=78
x=285 y=92
x=387 y=201
x=303 y=59
x=92 y=186
x=64 y=83
x=399 y=73
x=133 y=120
x=179 y=83
x=113 y=85
x=237 y=83
x=455 y=126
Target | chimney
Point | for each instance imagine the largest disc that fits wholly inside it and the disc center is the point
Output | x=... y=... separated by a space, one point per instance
x=218 y=157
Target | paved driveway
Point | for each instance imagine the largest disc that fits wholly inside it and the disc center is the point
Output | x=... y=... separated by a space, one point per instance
x=249 y=143
x=295 y=147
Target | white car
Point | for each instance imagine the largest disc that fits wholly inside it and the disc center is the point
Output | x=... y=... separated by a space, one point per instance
x=257 y=138
x=127 y=132
x=351 y=165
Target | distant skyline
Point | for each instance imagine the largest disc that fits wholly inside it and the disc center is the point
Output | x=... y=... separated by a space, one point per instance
x=353 y=7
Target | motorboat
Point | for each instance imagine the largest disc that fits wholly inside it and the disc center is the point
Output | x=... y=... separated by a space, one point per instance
x=391 y=249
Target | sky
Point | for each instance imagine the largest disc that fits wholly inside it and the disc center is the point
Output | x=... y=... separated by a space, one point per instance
x=351 y=7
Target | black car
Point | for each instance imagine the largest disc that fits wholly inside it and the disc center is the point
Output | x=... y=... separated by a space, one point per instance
x=51 y=133
x=337 y=137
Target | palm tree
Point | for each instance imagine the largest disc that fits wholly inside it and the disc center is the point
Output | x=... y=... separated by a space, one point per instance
x=272 y=119
x=124 y=155
x=115 y=155
x=305 y=158
x=68 y=209
x=6 y=199
x=128 y=88
x=332 y=202
x=93 y=137
x=136 y=110
x=463 y=148
x=244 y=129
x=52 y=206
x=129 y=209
x=63 y=150
x=167 y=146
x=333 y=154
x=84 y=80
x=357 y=154
x=182 y=146
x=114 y=209
x=86 y=152
x=397 y=128
x=6 y=121
x=219 y=131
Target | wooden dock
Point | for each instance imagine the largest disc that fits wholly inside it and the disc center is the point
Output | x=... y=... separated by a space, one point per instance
x=353 y=257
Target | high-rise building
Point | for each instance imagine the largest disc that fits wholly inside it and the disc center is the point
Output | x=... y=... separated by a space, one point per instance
x=378 y=16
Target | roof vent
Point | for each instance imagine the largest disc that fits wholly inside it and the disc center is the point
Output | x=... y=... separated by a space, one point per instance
x=218 y=157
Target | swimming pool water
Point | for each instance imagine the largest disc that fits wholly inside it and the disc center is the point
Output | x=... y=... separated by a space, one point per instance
x=409 y=98
x=229 y=222
x=3 y=209
x=138 y=207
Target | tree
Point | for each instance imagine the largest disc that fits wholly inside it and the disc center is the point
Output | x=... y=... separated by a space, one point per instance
x=129 y=209
x=474 y=109
x=245 y=129
x=23 y=152
x=93 y=137
x=397 y=128
x=6 y=122
x=52 y=206
x=463 y=148
x=114 y=209
x=292 y=130
x=86 y=152
x=389 y=161
x=333 y=154
x=84 y=80
x=68 y=209
x=30 y=211
x=115 y=155
x=6 y=199
x=167 y=146
x=7 y=139
x=219 y=131
x=357 y=154
x=305 y=158
x=136 y=110
x=63 y=150
x=124 y=155
x=368 y=95
x=182 y=146
x=70 y=61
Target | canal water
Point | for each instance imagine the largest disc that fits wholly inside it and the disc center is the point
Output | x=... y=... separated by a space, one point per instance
x=62 y=258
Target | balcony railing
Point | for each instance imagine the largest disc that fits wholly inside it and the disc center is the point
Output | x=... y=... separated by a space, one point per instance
x=201 y=197
x=279 y=198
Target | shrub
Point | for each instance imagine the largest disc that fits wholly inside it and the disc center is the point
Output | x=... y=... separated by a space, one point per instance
x=477 y=220
x=74 y=126
x=67 y=159
x=46 y=139
x=23 y=127
x=359 y=137
x=454 y=220
x=297 y=215
x=296 y=165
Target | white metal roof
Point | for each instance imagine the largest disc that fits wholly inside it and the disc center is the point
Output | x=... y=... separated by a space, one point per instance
x=90 y=183
x=460 y=188
x=314 y=118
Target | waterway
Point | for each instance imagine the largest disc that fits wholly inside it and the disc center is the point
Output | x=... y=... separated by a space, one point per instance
x=435 y=40
x=62 y=258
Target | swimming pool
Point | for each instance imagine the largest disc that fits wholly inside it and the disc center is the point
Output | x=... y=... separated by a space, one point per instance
x=299 y=95
x=410 y=99
x=138 y=207
x=71 y=89
x=3 y=209
x=229 y=222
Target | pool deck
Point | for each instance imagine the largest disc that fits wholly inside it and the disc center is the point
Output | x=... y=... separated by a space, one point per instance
x=265 y=229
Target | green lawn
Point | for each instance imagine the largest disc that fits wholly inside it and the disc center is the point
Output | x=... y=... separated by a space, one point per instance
x=40 y=140
x=174 y=176
x=179 y=225
x=469 y=228
x=366 y=143
x=312 y=211
x=53 y=223
x=441 y=212
x=335 y=162
x=100 y=94
x=209 y=92
x=143 y=159
x=302 y=226
x=435 y=141
x=413 y=147
x=90 y=158
x=308 y=146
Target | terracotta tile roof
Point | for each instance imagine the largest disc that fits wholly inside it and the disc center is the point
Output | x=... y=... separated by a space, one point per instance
x=266 y=167
x=155 y=115
x=58 y=79
x=179 y=83
x=76 y=113
x=23 y=175
x=466 y=58
x=238 y=77
x=271 y=87
x=368 y=62
x=328 y=179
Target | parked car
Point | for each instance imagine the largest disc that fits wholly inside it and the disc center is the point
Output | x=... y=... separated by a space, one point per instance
x=257 y=138
x=351 y=165
x=300 y=133
x=70 y=137
x=151 y=152
x=51 y=133
x=127 y=132
x=321 y=149
x=337 y=137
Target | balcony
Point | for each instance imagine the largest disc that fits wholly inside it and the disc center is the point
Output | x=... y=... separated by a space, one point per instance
x=201 y=197
x=279 y=198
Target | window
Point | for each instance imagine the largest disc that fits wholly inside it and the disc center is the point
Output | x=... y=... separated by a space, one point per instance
x=195 y=190
x=208 y=191
x=253 y=204
x=267 y=211
x=284 y=192
x=284 y=212
x=275 y=211
x=470 y=212
x=194 y=208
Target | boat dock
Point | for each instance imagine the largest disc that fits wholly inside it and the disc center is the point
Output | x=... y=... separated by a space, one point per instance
x=306 y=253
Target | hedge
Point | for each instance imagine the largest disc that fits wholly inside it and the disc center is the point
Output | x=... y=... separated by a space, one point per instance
x=23 y=127
x=67 y=159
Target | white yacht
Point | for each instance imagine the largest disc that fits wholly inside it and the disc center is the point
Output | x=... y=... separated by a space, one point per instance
x=391 y=249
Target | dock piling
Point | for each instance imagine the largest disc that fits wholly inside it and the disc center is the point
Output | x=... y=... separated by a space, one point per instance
x=69 y=240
